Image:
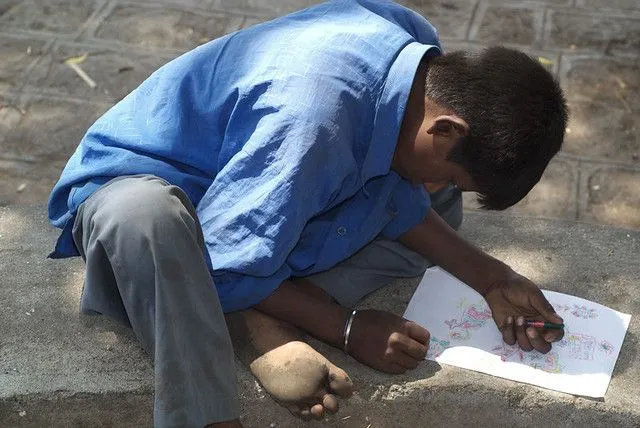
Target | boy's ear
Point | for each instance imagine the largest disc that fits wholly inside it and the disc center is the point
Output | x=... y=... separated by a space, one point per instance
x=449 y=126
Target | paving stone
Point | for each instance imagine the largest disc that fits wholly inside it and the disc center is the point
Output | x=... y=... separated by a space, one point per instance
x=549 y=59
x=613 y=197
x=115 y=73
x=604 y=99
x=451 y=17
x=16 y=56
x=602 y=79
x=612 y=4
x=264 y=7
x=7 y=5
x=506 y=24
x=597 y=32
x=24 y=178
x=553 y=196
x=601 y=130
x=10 y=115
x=532 y=2
x=165 y=27
x=23 y=183
x=58 y=16
x=47 y=130
x=201 y=4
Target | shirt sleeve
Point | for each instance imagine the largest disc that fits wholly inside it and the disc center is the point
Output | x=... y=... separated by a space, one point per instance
x=410 y=203
x=288 y=171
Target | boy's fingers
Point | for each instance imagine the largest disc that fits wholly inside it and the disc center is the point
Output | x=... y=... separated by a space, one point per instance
x=418 y=333
x=553 y=335
x=405 y=360
x=414 y=349
x=521 y=335
x=537 y=341
x=508 y=335
x=544 y=308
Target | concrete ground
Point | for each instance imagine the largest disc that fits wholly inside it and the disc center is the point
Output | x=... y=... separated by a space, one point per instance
x=59 y=370
x=593 y=46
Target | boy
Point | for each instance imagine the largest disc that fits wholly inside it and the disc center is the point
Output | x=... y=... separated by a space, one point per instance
x=278 y=175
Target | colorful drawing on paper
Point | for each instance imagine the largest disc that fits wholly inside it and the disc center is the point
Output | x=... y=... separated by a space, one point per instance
x=605 y=348
x=548 y=362
x=578 y=311
x=436 y=347
x=463 y=334
x=579 y=346
x=584 y=312
x=576 y=346
x=472 y=318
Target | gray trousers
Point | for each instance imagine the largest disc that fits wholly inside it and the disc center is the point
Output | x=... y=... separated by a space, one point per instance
x=145 y=267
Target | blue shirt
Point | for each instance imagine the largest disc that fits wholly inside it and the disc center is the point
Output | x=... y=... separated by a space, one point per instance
x=282 y=135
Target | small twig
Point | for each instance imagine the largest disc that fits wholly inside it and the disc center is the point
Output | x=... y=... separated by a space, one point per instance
x=623 y=101
x=18 y=109
x=84 y=76
x=620 y=82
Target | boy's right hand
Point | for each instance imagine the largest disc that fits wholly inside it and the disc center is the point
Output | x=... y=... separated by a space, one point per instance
x=387 y=342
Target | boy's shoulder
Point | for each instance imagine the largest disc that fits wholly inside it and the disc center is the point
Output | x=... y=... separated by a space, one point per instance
x=376 y=18
x=409 y=20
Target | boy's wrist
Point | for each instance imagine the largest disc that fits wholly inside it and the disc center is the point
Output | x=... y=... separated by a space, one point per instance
x=347 y=330
x=322 y=319
x=489 y=275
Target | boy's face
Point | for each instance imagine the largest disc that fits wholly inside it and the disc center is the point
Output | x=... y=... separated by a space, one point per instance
x=427 y=135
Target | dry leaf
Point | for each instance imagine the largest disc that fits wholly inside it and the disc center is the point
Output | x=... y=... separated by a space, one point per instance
x=76 y=59
x=544 y=61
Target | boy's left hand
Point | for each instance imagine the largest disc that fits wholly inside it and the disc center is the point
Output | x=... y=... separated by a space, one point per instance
x=514 y=299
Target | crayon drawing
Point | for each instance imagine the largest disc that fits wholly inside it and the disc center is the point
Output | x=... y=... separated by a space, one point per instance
x=560 y=308
x=548 y=362
x=473 y=317
x=578 y=311
x=464 y=334
x=579 y=346
x=436 y=347
x=605 y=347
x=584 y=312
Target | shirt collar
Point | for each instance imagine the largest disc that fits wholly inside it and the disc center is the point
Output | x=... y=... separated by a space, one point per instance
x=391 y=107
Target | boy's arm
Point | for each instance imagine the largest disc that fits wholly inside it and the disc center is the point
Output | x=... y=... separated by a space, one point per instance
x=510 y=296
x=438 y=242
x=382 y=340
x=321 y=318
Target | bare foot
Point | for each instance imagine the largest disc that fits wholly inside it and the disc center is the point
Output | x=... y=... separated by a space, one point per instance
x=291 y=371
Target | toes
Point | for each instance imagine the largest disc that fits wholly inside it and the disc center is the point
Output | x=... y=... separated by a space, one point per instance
x=300 y=410
x=339 y=382
x=317 y=411
x=330 y=403
x=305 y=414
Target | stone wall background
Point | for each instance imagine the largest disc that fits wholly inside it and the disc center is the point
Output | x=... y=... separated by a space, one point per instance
x=592 y=46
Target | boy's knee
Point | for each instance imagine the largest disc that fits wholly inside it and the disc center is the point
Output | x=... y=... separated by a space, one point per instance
x=142 y=204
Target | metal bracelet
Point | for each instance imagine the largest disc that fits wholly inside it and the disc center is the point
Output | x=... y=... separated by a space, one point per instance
x=347 y=331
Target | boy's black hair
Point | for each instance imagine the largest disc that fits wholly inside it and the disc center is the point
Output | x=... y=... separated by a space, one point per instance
x=516 y=114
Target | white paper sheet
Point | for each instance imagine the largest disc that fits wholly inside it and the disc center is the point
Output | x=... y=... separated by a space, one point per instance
x=463 y=334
